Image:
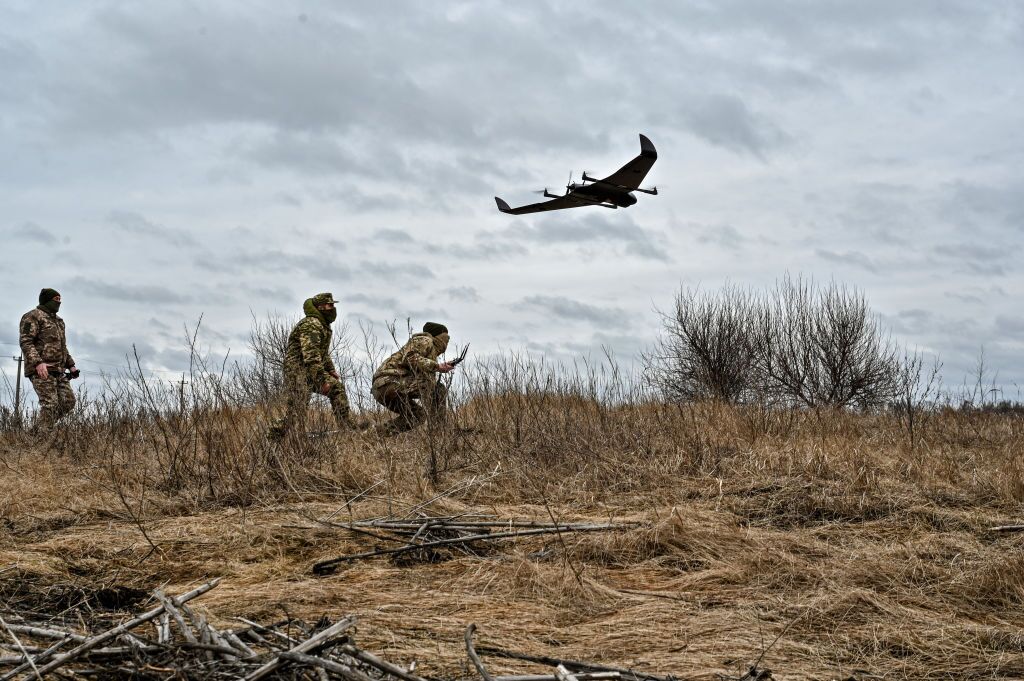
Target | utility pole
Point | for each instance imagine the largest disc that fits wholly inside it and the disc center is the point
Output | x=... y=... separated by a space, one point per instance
x=17 y=389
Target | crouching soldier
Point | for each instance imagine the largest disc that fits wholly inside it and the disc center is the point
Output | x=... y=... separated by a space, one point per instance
x=308 y=368
x=45 y=349
x=406 y=383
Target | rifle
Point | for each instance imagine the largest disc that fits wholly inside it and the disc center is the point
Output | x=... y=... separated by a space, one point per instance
x=458 y=360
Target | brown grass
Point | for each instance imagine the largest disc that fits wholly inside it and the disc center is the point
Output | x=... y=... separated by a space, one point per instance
x=871 y=559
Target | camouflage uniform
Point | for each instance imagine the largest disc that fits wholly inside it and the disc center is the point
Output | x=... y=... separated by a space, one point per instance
x=43 y=341
x=308 y=367
x=406 y=383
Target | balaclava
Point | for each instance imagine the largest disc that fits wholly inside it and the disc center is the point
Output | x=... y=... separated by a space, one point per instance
x=47 y=302
x=322 y=299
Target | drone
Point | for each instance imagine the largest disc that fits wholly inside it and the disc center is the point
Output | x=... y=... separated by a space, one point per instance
x=614 y=191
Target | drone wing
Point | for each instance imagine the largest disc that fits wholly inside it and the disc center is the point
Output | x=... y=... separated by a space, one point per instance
x=630 y=176
x=561 y=202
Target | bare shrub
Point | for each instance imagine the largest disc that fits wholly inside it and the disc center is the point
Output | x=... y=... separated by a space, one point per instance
x=822 y=347
x=917 y=387
x=705 y=350
x=797 y=345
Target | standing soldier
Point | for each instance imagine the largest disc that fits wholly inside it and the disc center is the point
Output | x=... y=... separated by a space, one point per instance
x=308 y=368
x=45 y=349
x=406 y=383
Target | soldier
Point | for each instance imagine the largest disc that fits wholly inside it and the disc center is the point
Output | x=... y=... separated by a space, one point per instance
x=406 y=383
x=45 y=349
x=308 y=368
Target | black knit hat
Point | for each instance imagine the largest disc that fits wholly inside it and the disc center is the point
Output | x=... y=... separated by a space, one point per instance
x=46 y=295
x=434 y=329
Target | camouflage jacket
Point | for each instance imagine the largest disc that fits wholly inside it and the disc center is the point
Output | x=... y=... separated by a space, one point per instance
x=43 y=341
x=417 y=359
x=309 y=348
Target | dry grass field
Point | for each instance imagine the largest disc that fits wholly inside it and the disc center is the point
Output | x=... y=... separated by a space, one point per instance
x=819 y=544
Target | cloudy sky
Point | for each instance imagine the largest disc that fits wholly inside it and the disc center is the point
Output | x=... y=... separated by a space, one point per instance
x=162 y=161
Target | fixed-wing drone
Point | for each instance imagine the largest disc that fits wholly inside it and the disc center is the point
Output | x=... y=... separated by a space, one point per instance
x=614 y=191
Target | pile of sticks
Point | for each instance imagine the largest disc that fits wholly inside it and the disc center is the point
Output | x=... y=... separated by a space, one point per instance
x=171 y=640
x=423 y=536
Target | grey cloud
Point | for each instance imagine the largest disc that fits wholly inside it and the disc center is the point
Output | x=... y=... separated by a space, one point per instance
x=643 y=243
x=848 y=259
x=272 y=293
x=275 y=262
x=1009 y=326
x=392 y=269
x=33 y=232
x=977 y=295
x=622 y=346
x=978 y=258
x=485 y=246
x=912 y=322
x=727 y=121
x=134 y=223
x=377 y=302
x=109 y=353
x=394 y=236
x=463 y=294
x=482 y=250
x=725 y=236
x=157 y=324
x=573 y=310
x=137 y=293
x=888 y=211
x=981 y=206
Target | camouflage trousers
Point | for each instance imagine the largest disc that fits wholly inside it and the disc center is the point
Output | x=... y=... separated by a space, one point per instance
x=297 y=394
x=56 y=399
x=413 y=400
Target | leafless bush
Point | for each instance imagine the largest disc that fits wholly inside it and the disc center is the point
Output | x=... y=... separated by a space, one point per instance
x=705 y=351
x=822 y=347
x=796 y=345
x=917 y=387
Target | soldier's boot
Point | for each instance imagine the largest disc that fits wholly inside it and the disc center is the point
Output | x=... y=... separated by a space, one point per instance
x=339 y=405
x=408 y=412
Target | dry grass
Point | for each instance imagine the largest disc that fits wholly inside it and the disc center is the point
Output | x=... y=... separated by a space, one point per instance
x=869 y=558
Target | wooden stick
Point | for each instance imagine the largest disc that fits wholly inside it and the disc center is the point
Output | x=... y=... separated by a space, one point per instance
x=96 y=641
x=330 y=665
x=472 y=653
x=304 y=647
x=563 y=674
x=163 y=627
x=42 y=632
x=570 y=664
x=171 y=607
x=583 y=676
x=326 y=567
x=374 y=661
x=233 y=639
x=23 y=651
x=1007 y=528
x=268 y=630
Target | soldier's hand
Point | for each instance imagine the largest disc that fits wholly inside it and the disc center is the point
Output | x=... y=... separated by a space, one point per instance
x=42 y=371
x=444 y=367
x=336 y=375
x=325 y=389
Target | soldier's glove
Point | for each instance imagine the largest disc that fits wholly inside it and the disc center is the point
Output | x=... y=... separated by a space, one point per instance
x=74 y=373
